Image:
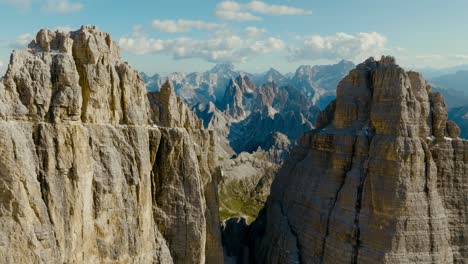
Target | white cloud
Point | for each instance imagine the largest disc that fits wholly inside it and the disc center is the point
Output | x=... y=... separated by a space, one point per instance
x=254 y=31
x=49 y=6
x=340 y=46
x=215 y=49
x=435 y=60
x=237 y=16
x=267 y=46
x=65 y=29
x=461 y=57
x=182 y=25
x=22 y=5
x=276 y=10
x=2 y=68
x=62 y=6
x=232 y=10
x=22 y=41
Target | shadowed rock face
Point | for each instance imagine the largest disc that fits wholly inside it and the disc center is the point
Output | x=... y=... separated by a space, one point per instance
x=383 y=180
x=89 y=172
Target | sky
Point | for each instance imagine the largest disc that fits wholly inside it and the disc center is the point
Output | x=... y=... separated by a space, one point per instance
x=189 y=35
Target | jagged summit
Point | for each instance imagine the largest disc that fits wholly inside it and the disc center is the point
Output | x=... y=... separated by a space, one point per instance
x=377 y=182
x=168 y=110
x=304 y=70
x=56 y=80
x=272 y=75
x=232 y=102
x=90 y=171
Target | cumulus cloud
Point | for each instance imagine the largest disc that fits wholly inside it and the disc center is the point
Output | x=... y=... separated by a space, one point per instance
x=340 y=46
x=182 y=25
x=254 y=31
x=232 y=10
x=275 y=10
x=62 y=6
x=215 y=49
x=267 y=46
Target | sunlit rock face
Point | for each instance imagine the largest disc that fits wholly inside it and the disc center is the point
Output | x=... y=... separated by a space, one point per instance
x=384 y=179
x=90 y=171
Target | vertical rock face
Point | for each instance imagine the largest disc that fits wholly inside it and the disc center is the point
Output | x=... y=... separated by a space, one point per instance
x=383 y=179
x=89 y=172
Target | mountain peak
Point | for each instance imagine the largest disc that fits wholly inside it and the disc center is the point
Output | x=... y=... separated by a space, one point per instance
x=392 y=141
x=304 y=70
x=222 y=68
x=273 y=72
x=344 y=62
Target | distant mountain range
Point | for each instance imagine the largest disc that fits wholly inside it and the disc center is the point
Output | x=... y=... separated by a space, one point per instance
x=430 y=73
x=316 y=82
x=456 y=81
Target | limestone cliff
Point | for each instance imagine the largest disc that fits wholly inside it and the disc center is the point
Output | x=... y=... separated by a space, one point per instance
x=382 y=180
x=89 y=172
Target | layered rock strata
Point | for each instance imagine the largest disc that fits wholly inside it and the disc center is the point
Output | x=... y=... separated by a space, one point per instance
x=89 y=172
x=383 y=180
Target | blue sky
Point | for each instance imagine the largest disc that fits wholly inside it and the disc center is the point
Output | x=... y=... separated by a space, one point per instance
x=188 y=35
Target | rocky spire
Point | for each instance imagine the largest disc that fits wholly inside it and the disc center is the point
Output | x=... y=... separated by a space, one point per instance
x=74 y=76
x=169 y=111
x=232 y=100
x=376 y=183
x=245 y=84
x=86 y=176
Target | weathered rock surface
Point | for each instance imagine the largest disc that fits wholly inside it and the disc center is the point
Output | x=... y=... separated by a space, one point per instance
x=86 y=176
x=383 y=180
x=168 y=110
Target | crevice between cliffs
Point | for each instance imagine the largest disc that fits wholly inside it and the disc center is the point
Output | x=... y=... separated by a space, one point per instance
x=85 y=90
x=358 y=207
x=293 y=232
x=335 y=200
x=427 y=191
